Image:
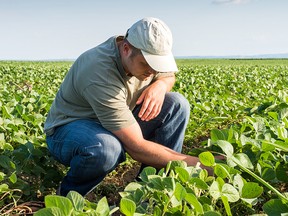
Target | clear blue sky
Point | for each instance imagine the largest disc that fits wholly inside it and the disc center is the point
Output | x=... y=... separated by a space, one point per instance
x=63 y=29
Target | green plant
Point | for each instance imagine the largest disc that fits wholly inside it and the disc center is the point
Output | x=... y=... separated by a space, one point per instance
x=74 y=204
x=240 y=103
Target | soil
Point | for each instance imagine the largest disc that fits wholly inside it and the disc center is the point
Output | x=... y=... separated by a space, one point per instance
x=115 y=182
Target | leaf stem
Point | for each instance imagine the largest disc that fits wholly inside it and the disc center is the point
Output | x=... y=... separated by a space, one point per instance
x=281 y=196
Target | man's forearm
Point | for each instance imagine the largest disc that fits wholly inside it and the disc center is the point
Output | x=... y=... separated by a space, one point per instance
x=169 y=82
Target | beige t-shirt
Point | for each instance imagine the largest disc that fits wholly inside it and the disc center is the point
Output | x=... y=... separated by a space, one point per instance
x=97 y=87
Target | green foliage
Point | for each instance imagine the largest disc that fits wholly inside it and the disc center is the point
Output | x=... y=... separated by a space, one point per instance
x=239 y=109
x=223 y=92
x=74 y=204
x=27 y=172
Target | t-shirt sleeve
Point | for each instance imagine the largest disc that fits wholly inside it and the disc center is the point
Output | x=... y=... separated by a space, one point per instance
x=109 y=105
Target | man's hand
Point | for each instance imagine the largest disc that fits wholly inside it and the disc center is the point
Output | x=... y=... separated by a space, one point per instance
x=152 y=100
x=152 y=97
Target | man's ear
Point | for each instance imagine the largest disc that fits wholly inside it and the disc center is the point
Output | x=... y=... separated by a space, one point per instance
x=126 y=49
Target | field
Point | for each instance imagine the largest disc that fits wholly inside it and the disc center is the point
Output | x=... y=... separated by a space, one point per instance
x=239 y=109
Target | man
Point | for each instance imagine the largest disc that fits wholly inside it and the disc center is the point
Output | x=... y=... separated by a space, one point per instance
x=116 y=99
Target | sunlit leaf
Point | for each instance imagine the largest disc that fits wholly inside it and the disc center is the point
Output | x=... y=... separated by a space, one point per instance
x=127 y=207
x=62 y=203
x=251 y=190
x=103 y=207
x=226 y=147
x=77 y=200
x=207 y=159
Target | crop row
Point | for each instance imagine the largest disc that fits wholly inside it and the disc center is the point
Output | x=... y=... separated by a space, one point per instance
x=223 y=98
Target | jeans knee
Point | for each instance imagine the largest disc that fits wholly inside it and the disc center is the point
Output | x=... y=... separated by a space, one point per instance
x=104 y=157
x=180 y=103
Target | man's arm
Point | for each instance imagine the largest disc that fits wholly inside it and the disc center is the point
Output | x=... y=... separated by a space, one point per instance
x=144 y=151
x=153 y=96
x=168 y=80
x=148 y=152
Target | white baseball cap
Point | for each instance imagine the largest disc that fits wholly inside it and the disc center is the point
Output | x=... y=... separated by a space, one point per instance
x=154 y=38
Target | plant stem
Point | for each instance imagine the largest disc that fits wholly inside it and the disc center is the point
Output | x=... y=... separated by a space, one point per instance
x=281 y=196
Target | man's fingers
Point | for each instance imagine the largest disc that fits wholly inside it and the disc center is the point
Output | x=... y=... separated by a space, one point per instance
x=150 y=113
x=147 y=112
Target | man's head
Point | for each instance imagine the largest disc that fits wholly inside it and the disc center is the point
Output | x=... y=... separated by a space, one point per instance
x=154 y=38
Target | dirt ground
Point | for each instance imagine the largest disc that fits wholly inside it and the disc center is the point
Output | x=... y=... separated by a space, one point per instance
x=115 y=182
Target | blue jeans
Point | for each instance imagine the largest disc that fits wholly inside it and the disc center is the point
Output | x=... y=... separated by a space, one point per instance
x=92 y=152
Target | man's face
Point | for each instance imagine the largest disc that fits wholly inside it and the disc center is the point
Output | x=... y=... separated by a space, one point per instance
x=137 y=66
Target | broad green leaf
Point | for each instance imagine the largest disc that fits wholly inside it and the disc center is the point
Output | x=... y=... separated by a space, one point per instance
x=4 y=187
x=168 y=183
x=238 y=182
x=203 y=175
x=13 y=177
x=127 y=207
x=103 y=207
x=281 y=172
x=221 y=171
x=146 y=172
x=247 y=140
x=207 y=159
x=192 y=200
x=51 y=211
x=6 y=162
x=275 y=207
x=268 y=174
x=230 y=192
x=179 y=192
x=274 y=115
x=77 y=200
x=182 y=173
x=204 y=200
x=173 y=164
x=199 y=183
x=138 y=195
x=251 y=190
x=214 y=190
x=156 y=182
x=226 y=147
x=218 y=135
x=2 y=176
x=61 y=202
x=244 y=160
x=266 y=146
x=132 y=186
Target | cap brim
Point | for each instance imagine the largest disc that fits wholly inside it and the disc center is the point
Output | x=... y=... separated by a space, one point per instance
x=165 y=63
